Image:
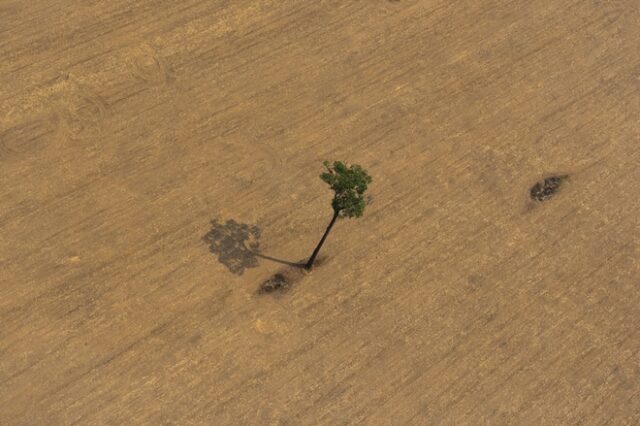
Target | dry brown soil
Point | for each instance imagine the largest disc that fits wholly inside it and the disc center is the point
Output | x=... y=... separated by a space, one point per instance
x=159 y=160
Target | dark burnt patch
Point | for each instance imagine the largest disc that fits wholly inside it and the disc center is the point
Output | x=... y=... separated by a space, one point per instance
x=277 y=283
x=286 y=278
x=546 y=189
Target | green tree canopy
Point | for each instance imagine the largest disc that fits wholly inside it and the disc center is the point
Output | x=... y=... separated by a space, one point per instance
x=349 y=184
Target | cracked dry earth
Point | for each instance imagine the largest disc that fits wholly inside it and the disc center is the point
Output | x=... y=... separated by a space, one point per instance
x=128 y=128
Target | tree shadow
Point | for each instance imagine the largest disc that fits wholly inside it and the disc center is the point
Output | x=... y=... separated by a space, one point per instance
x=237 y=246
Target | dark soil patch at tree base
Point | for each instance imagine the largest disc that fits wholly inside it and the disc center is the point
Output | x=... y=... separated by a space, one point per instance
x=278 y=283
x=543 y=191
x=284 y=280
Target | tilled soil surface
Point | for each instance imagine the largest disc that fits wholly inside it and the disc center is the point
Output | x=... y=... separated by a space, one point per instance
x=159 y=162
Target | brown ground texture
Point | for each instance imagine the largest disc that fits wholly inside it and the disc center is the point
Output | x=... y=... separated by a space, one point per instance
x=159 y=160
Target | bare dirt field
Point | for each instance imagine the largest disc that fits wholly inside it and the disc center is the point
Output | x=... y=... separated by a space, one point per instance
x=159 y=160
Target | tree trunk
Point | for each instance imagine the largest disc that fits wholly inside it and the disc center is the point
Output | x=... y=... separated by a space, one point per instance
x=324 y=237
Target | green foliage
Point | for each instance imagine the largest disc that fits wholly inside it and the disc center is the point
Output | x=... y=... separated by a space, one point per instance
x=349 y=185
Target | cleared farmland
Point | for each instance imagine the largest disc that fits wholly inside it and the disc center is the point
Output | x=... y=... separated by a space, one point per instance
x=159 y=160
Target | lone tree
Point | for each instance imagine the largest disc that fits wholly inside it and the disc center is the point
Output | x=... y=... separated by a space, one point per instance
x=348 y=184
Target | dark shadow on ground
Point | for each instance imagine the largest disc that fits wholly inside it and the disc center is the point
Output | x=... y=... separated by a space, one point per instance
x=237 y=246
x=284 y=262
